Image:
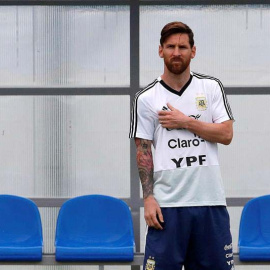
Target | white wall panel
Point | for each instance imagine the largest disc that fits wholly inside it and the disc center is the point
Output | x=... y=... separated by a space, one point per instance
x=48 y=220
x=235 y=216
x=16 y=145
x=61 y=146
x=245 y=164
x=143 y=230
x=252 y=267
x=232 y=41
x=101 y=145
x=48 y=267
x=64 y=46
x=118 y=267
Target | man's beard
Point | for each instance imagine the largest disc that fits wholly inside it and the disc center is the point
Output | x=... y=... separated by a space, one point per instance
x=177 y=68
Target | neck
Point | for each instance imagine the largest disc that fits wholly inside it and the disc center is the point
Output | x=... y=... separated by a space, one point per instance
x=176 y=81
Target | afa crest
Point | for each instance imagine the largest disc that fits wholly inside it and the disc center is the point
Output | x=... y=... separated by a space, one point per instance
x=201 y=103
x=150 y=264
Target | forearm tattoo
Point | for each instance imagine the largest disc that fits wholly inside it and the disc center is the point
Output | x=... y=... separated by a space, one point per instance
x=145 y=165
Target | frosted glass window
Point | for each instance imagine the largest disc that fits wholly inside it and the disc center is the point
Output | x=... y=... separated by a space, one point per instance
x=49 y=220
x=232 y=41
x=245 y=162
x=64 y=146
x=252 y=267
x=117 y=267
x=235 y=216
x=101 y=144
x=64 y=46
x=49 y=267
x=143 y=230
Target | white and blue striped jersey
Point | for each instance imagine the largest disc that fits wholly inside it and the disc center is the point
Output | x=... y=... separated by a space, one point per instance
x=186 y=167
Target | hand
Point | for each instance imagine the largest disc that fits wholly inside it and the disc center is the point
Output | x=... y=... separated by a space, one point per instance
x=151 y=211
x=172 y=119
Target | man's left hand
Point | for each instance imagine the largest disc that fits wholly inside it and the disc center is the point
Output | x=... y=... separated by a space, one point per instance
x=172 y=119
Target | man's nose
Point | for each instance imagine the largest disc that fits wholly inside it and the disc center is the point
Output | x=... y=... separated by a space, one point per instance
x=176 y=52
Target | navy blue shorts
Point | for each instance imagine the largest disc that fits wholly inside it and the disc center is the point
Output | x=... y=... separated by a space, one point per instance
x=197 y=238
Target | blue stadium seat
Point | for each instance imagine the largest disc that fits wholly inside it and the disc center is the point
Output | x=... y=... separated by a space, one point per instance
x=254 y=232
x=20 y=229
x=94 y=228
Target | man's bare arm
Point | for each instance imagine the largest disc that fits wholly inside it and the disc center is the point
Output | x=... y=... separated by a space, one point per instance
x=145 y=166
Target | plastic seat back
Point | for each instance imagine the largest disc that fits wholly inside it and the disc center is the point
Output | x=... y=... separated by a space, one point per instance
x=20 y=229
x=254 y=231
x=94 y=228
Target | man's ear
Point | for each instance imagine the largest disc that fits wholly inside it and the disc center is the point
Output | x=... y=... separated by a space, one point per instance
x=193 y=51
x=160 y=51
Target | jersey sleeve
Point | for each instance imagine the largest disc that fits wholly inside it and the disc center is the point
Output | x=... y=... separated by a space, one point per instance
x=221 y=109
x=142 y=120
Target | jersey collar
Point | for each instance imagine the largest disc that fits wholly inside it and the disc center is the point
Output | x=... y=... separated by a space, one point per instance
x=179 y=93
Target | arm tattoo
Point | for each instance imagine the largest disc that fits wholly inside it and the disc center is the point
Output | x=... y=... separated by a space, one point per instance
x=145 y=165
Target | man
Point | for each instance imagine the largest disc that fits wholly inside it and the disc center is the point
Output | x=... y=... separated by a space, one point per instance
x=183 y=115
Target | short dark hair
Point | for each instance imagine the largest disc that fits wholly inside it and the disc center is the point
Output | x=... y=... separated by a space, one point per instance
x=174 y=28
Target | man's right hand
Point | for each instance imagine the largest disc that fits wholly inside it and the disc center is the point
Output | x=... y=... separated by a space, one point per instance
x=151 y=212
